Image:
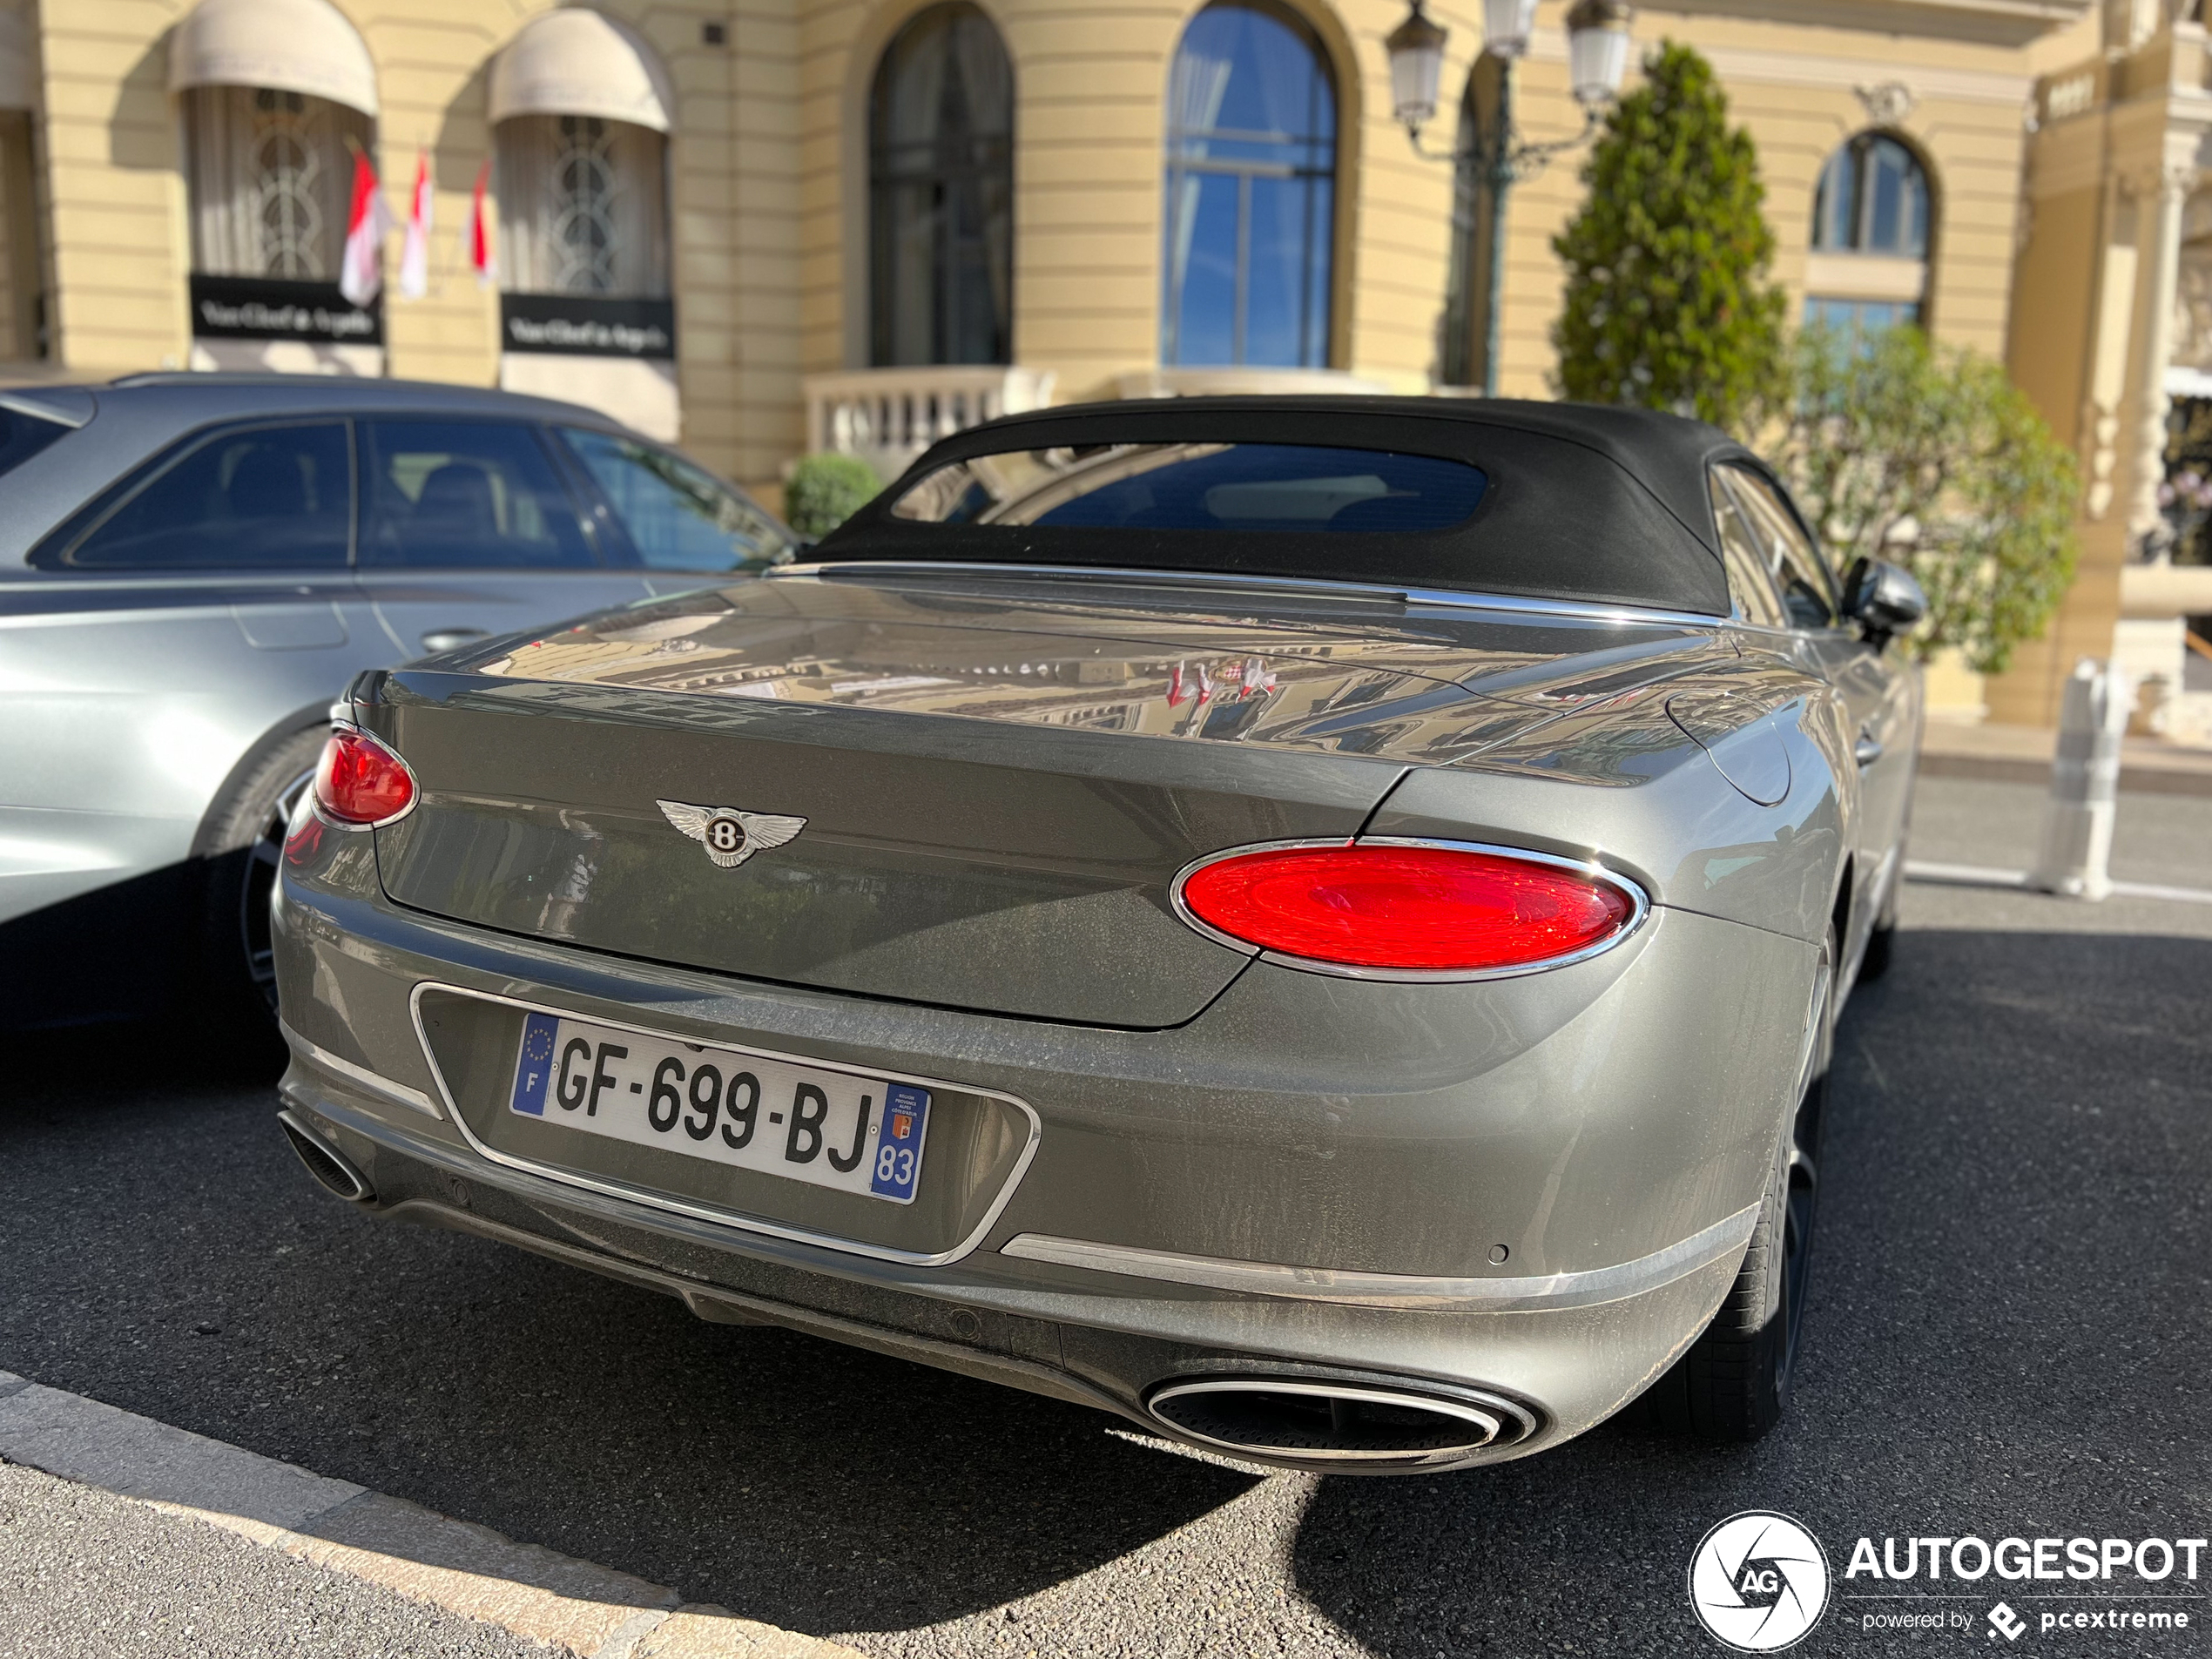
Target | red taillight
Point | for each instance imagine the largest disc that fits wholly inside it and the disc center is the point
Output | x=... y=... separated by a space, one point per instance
x=1408 y=908
x=359 y=781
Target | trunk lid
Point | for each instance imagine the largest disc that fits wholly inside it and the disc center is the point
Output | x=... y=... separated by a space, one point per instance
x=995 y=797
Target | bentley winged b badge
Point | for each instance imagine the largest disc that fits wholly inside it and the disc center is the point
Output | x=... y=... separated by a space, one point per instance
x=730 y=836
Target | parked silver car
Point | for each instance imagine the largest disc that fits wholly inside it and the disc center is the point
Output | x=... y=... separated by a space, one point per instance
x=192 y=566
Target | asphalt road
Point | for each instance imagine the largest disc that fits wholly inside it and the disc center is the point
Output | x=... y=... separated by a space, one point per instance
x=2006 y=1335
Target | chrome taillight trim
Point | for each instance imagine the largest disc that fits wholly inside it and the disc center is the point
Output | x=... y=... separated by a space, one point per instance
x=1639 y=908
x=415 y=784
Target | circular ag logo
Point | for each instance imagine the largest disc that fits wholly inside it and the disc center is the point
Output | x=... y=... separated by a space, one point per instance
x=1758 y=1581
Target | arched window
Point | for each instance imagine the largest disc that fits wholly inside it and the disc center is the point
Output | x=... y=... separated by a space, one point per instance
x=1868 y=268
x=940 y=193
x=1872 y=198
x=581 y=109
x=275 y=99
x=1251 y=201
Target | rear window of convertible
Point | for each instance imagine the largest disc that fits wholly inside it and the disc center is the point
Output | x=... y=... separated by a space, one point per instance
x=1252 y=487
x=1444 y=498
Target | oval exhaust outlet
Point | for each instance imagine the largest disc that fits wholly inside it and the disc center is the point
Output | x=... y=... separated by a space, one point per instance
x=325 y=1162
x=1337 y=1425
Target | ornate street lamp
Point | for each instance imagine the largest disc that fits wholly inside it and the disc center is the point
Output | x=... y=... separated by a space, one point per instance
x=1598 y=58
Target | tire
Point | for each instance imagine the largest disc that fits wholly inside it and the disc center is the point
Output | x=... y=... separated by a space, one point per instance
x=235 y=988
x=1733 y=1386
x=1874 y=961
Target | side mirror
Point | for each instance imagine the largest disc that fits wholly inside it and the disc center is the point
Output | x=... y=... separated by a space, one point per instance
x=1882 y=598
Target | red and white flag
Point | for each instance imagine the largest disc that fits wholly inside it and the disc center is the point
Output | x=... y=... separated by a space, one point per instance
x=476 y=233
x=415 y=251
x=360 y=274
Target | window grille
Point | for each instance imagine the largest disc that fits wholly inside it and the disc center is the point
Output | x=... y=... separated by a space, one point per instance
x=270 y=175
x=582 y=207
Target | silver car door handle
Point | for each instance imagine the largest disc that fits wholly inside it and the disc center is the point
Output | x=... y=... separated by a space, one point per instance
x=452 y=638
x=1867 y=750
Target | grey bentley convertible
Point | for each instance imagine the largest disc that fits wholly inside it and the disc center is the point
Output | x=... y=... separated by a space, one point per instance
x=1313 y=925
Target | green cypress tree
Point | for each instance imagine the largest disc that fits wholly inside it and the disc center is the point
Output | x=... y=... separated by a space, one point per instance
x=1668 y=306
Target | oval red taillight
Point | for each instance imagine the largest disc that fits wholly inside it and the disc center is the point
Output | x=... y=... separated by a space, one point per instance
x=1408 y=908
x=359 y=780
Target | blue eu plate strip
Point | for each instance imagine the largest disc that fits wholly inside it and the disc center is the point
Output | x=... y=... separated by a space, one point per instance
x=533 y=1070
x=898 y=1149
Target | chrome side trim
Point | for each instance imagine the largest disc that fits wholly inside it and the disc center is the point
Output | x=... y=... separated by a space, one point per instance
x=707 y=1212
x=1639 y=908
x=1550 y=1292
x=383 y=1088
x=1451 y=598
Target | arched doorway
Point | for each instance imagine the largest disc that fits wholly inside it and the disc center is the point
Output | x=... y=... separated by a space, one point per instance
x=940 y=194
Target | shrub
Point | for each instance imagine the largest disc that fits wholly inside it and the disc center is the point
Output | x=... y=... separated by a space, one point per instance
x=824 y=490
x=1932 y=457
x=1667 y=305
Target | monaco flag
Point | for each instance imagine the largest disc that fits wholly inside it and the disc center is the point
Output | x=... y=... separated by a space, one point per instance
x=415 y=251
x=476 y=233
x=360 y=272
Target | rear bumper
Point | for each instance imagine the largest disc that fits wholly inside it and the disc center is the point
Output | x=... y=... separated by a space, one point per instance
x=1612 y=1133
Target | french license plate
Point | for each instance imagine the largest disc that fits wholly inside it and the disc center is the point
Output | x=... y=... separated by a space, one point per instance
x=830 y=1129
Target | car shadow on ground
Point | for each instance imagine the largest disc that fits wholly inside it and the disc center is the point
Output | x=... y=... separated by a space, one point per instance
x=2014 y=1223
x=2003 y=1337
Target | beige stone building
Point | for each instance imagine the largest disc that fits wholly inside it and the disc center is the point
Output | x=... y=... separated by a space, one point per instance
x=2111 y=335
x=768 y=226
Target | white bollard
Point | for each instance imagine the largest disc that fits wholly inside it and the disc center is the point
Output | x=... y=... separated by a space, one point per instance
x=2085 y=778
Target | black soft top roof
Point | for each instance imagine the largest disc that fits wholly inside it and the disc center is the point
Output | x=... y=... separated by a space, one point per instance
x=1584 y=503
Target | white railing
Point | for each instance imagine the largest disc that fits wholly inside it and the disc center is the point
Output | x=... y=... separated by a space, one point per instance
x=1236 y=380
x=888 y=416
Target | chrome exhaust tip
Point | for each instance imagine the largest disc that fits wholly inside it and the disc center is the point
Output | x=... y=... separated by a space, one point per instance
x=1339 y=1424
x=324 y=1161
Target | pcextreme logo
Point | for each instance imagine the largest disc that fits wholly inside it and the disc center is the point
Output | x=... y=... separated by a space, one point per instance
x=1758 y=1581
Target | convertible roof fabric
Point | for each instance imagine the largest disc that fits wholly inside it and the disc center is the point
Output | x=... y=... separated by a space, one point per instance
x=1584 y=502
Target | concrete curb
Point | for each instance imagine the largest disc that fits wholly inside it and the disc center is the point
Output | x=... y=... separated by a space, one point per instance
x=2011 y=769
x=1976 y=875
x=574 y=1606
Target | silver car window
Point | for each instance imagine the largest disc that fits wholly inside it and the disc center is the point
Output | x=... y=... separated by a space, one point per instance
x=465 y=494
x=679 y=516
x=1741 y=551
x=257 y=498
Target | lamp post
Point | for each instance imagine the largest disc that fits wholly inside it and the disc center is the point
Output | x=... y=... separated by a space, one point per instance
x=1598 y=58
